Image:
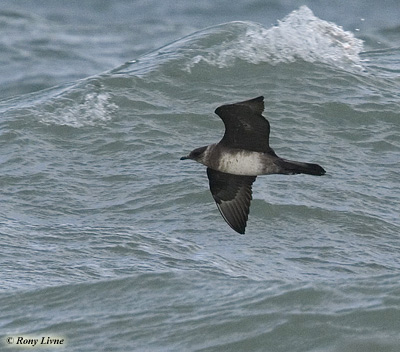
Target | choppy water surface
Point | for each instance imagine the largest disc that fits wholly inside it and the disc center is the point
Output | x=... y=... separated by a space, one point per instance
x=113 y=244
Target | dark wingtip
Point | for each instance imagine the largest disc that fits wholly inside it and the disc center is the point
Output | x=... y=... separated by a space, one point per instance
x=259 y=99
x=239 y=229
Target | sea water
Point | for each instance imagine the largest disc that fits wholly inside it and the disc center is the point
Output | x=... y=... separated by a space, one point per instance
x=110 y=243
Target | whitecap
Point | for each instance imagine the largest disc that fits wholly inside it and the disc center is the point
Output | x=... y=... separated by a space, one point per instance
x=300 y=35
x=89 y=110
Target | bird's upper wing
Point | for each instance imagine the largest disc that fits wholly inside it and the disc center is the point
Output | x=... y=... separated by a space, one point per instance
x=245 y=127
x=233 y=195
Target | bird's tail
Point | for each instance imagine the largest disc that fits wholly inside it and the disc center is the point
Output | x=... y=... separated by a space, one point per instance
x=296 y=167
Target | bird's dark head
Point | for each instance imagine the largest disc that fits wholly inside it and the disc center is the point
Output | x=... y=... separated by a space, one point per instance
x=197 y=154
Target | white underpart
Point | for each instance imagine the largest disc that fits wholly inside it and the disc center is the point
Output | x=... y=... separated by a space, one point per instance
x=242 y=163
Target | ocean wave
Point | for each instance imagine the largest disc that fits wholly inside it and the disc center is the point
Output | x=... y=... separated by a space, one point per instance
x=93 y=108
x=299 y=36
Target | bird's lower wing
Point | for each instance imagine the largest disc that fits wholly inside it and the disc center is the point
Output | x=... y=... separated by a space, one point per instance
x=233 y=195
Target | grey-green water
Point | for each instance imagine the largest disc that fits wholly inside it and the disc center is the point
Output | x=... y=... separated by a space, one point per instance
x=109 y=241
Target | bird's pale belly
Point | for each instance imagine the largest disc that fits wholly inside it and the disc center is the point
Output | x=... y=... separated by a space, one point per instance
x=242 y=163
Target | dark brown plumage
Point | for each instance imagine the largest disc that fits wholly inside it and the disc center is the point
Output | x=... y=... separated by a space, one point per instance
x=242 y=154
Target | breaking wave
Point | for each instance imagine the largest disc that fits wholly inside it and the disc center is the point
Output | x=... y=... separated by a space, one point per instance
x=300 y=35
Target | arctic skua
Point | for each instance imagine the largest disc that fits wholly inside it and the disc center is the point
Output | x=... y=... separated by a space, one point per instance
x=243 y=154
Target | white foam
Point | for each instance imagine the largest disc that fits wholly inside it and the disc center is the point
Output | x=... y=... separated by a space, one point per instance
x=300 y=35
x=90 y=110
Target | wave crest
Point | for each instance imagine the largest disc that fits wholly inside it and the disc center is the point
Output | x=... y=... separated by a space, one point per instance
x=78 y=110
x=300 y=35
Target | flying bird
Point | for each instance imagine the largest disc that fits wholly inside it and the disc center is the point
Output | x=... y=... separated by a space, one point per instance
x=240 y=156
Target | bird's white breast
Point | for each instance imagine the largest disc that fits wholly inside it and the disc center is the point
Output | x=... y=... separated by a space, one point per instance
x=241 y=163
